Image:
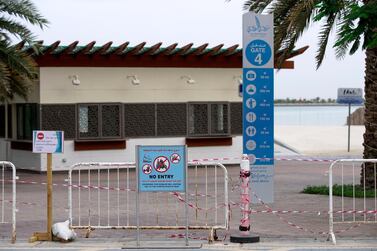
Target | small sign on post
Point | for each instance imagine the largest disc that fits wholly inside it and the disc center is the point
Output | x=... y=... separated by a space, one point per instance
x=47 y=142
x=350 y=96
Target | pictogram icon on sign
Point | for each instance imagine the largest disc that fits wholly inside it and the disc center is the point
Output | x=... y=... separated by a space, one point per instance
x=251 y=145
x=252 y=158
x=251 y=131
x=40 y=135
x=175 y=158
x=251 y=75
x=147 y=169
x=251 y=103
x=161 y=164
x=251 y=89
x=251 y=117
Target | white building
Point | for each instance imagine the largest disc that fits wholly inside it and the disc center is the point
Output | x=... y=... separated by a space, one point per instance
x=109 y=99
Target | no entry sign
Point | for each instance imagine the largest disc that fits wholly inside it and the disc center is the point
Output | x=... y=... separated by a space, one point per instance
x=161 y=168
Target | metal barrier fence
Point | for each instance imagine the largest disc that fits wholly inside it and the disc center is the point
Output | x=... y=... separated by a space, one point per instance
x=105 y=198
x=359 y=209
x=5 y=189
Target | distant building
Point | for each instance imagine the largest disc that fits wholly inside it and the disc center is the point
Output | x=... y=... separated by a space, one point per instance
x=109 y=99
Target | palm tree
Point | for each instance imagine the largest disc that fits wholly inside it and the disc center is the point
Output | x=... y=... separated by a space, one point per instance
x=355 y=23
x=18 y=70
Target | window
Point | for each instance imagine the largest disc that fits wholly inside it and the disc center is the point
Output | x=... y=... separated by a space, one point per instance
x=27 y=121
x=2 y=121
x=59 y=117
x=171 y=119
x=236 y=118
x=208 y=119
x=99 y=121
x=139 y=120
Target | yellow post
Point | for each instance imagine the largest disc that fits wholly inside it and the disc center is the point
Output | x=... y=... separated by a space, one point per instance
x=48 y=235
x=49 y=196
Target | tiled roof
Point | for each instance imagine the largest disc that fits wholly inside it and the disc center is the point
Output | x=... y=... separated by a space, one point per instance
x=139 y=49
x=141 y=55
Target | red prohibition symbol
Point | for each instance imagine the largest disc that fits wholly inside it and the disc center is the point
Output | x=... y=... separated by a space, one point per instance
x=175 y=158
x=147 y=169
x=40 y=136
x=161 y=164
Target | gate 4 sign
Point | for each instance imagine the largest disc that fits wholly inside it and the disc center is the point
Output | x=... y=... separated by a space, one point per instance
x=258 y=101
x=258 y=81
x=161 y=168
x=258 y=52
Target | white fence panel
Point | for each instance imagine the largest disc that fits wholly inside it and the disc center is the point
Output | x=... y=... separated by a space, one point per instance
x=102 y=196
x=8 y=196
x=360 y=207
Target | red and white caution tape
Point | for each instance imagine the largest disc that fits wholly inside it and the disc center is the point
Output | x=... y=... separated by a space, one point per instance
x=299 y=227
x=23 y=203
x=180 y=198
x=73 y=185
x=195 y=161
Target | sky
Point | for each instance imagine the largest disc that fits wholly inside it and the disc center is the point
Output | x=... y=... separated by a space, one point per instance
x=195 y=21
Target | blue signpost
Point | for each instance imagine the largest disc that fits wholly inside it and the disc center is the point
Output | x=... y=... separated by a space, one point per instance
x=258 y=102
x=350 y=96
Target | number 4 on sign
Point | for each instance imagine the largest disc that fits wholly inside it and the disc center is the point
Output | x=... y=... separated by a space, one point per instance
x=258 y=58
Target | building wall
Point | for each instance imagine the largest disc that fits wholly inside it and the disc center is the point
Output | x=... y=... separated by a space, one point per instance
x=25 y=160
x=69 y=157
x=3 y=149
x=33 y=96
x=109 y=84
x=102 y=84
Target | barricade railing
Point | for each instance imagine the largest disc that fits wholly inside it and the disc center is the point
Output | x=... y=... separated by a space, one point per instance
x=348 y=177
x=5 y=198
x=103 y=196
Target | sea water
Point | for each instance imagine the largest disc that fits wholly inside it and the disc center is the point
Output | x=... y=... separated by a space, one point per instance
x=312 y=115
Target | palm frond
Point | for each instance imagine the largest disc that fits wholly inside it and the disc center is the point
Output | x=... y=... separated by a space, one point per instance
x=18 y=70
x=24 y=9
x=355 y=46
x=355 y=24
x=21 y=85
x=5 y=88
x=18 y=61
x=324 y=35
x=292 y=26
x=16 y=29
x=256 y=5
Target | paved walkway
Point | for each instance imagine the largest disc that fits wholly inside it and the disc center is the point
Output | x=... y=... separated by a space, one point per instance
x=290 y=178
x=265 y=244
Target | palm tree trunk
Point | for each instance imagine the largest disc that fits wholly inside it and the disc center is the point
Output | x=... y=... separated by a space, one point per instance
x=370 y=135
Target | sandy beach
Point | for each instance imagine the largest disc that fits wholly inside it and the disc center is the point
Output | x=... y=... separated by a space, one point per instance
x=321 y=140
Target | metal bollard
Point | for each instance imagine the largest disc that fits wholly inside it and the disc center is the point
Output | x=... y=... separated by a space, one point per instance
x=245 y=197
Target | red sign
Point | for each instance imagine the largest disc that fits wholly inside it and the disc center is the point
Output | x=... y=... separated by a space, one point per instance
x=40 y=136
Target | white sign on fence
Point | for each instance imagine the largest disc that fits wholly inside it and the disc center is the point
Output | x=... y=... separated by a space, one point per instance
x=48 y=141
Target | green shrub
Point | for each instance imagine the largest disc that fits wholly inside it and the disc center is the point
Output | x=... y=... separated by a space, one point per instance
x=337 y=191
